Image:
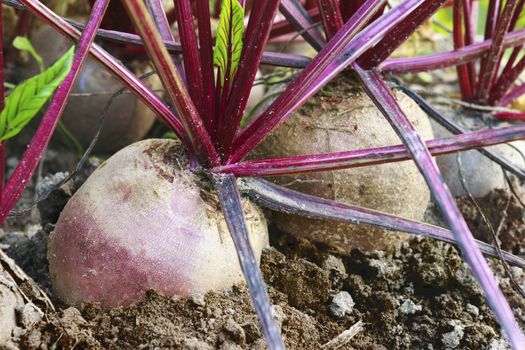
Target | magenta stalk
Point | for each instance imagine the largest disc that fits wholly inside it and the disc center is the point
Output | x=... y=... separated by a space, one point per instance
x=371 y=156
x=278 y=198
x=448 y=58
x=189 y=115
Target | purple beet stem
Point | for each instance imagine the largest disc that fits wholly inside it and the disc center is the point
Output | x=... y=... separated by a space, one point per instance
x=370 y=156
x=449 y=58
x=285 y=200
x=386 y=102
x=295 y=13
x=229 y=197
x=198 y=136
x=27 y=165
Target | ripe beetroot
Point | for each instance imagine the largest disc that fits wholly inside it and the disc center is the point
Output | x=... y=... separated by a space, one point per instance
x=142 y=221
x=341 y=118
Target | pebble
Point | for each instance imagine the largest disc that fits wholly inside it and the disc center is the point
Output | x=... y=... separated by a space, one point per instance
x=198 y=299
x=452 y=339
x=409 y=307
x=342 y=303
x=334 y=263
x=499 y=344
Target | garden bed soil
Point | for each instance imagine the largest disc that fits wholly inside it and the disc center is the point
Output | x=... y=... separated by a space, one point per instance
x=421 y=296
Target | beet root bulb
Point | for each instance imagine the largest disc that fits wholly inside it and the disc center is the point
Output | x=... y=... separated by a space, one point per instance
x=341 y=118
x=142 y=222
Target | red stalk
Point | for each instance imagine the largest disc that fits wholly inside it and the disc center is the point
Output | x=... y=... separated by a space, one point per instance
x=511 y=116
x=470 y=28
x=505 y=81
x=256 y=36
x=27 y=165
x=489 y=66
x=301 y=21
x=492 y=17
x=448 y=58
x=464 y=79
x=190 y=54
x=197 y=134
x=399 y=34
x=512 y=95
x=349 y=8
x=331 y=16
x=371 y=156
x=206 y=59
x=514 y=55
x=217 y=9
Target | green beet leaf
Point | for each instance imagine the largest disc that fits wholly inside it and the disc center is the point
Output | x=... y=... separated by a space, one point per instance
x=228 y=46
x=23 y=44
x=27 y=99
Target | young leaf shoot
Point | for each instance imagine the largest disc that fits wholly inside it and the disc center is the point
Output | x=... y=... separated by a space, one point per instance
x=23 y=44
x=228 y=47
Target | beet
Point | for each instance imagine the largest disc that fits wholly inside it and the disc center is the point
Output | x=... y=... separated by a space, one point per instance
x=341 y=117
x=143 y=221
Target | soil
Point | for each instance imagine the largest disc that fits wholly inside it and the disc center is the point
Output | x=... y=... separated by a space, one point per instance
x=421 y=296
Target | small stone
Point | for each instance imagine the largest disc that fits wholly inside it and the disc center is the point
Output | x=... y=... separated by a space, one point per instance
x=409 y=307
x=342 y=303
x=452 y=339
x=333 y=263
x=384 y=268
x=198 y=299
x=473 y=310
